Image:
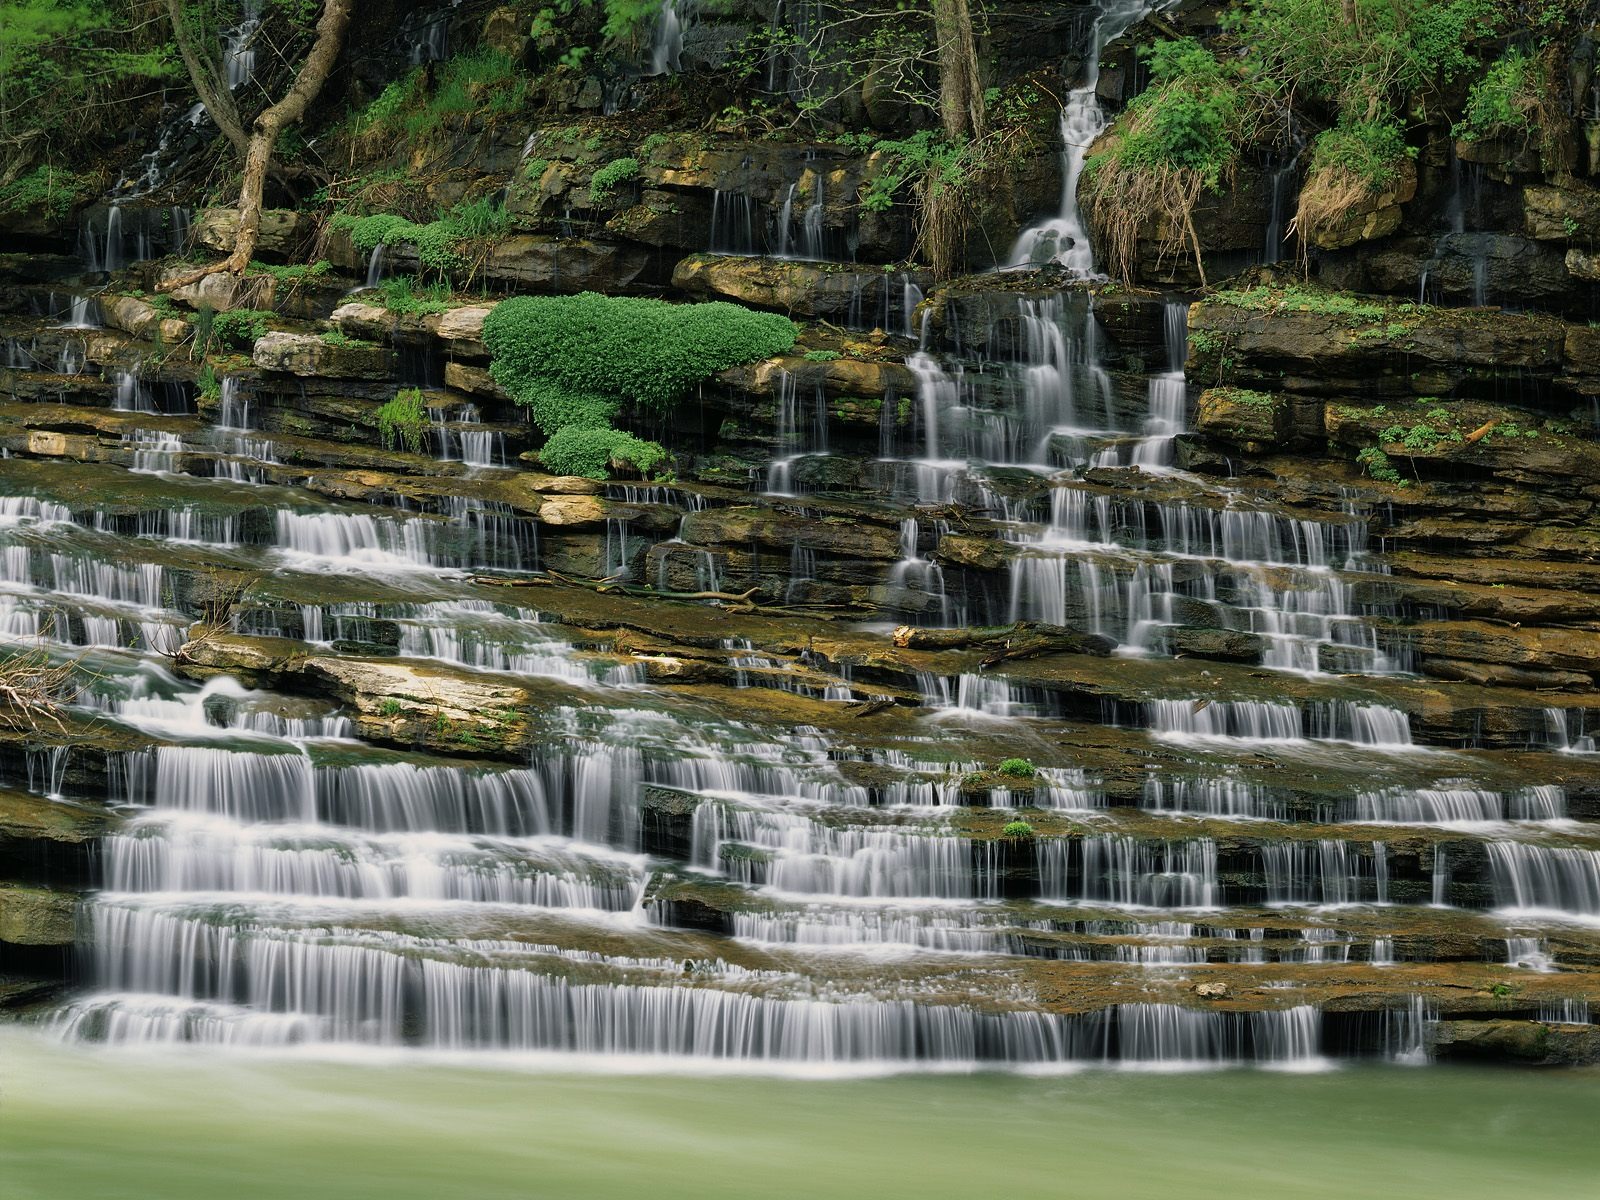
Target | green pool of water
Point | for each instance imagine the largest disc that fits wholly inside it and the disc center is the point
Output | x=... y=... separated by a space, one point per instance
x=95 y=1123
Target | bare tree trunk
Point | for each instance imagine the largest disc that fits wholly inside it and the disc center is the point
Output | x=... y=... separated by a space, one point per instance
x=263 y=140
x=960 y=90
x=213 y=90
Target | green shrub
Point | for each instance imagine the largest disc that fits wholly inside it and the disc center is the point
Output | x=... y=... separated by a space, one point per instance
x=590 y=452
x=240 y=328
x=610 y=177
x=400 y=296
x=403 y=421
x=821 y=356
x=1016 y=830
x=1017 y=768
x=1505 y=100
x=571 y=359
x=1378 y=466
x=51 y=191
x=1370 y=152
x=443 y=245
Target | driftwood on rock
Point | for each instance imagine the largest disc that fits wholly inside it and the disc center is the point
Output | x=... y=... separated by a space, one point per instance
x=1023 y=639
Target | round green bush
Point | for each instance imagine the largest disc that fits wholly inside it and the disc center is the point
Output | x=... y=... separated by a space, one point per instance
x=589 y=452
x=593 y=352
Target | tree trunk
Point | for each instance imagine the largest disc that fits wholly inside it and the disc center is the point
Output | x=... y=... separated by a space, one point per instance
x=960 y=89
x=263 y=139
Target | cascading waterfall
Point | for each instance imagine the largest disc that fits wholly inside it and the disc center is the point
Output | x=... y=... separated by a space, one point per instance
x=1554 y=879
x=1065 y=239
x=1126 y=871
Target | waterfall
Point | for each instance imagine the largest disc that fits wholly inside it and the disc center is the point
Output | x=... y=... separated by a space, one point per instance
x=238 y=53
x=1126 y=871
x=1065 y=239
x=666 y=38
x=1323 y=872
x=1545 y=878
x=1168 y=394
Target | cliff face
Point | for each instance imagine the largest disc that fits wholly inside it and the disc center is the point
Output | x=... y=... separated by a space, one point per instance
x=1055 y=627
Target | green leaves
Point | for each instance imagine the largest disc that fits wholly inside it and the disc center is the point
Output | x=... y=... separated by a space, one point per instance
x=575 y=360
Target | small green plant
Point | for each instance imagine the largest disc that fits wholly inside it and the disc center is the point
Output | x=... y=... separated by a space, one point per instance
x=400 y=296
x=1017 y=768
x=605 y=181
x=1379 y=467
x=390 y=707
x=1506 y=100
x=1016 y=831
x=822 y=356
x=209 y=385
x=240 y=328
x=50 y=191
x=403 y=421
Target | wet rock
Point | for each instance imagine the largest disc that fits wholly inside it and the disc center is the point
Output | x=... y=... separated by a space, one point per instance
x=476 y=380
x=37 y=916
x=1555 y=649
x=307 y=354
x=764 y=527
x=282 y=235
x=1289 y=344
x=142 y=320
x=1583 y=265
x=1530 y=1043
x=800 y=288
x=1228 y=645
x=1256 y=421
x=567 y=264
x=1561 y=212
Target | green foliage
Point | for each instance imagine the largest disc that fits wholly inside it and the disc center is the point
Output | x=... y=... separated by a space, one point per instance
x=1369 y=152
x=1378 y=466
x=1016 y=830
x=1505 y=99
x=596 y=349
x=208 y=384
x=45 y=190
x=1017 y=768
x=400 y=296
x=403 y=421
x=1187 y=119
x=822 y=356
x=240 y=328
x=590 y=452
x=292 y=273
x=925 y=156
x=64 y=66
x=610 y=177
x=573 y=360
x=485 y=84
x=1300 y=298
x=443 y=245
x=390 y=707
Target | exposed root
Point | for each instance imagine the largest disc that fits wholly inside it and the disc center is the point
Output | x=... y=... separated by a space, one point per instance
x=31 y=689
